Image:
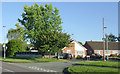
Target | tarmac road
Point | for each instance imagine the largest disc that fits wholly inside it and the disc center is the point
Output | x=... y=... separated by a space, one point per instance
x=56 y=67
x=12 y=67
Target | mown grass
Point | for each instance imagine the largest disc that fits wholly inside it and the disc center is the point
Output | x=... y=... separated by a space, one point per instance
x=49 y=60
x=101 y=63
x=90 y=69
x=44 y=59
x=16 y=60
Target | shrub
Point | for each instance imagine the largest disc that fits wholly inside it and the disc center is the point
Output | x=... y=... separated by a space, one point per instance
x=116 y=55
x=112 y=55
x=79 y=57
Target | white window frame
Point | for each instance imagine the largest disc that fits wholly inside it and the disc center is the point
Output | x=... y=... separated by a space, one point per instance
x=68 y=51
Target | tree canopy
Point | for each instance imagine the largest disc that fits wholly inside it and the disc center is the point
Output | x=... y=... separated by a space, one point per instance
x=17 y=33
x=118 y=38
x=43 y=27
x=112 y=37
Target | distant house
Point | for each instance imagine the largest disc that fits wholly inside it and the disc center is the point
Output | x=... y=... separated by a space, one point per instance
x=97 y=47
x=75 y=49
x=30 y=46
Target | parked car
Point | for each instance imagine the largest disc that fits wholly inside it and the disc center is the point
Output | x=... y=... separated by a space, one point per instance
x=112 y=55
x=64 y=56
x=60 y=56
x=96 y=56
x=67 y=56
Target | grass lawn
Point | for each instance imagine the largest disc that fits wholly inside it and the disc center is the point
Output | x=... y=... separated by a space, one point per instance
x=30 y=60
x=49 y=60
x=43 y=59
x=101 y=63
x=90 y=69
x=16 y=60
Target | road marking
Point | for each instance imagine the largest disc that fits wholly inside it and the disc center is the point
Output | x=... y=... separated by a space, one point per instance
x=38 y=69
x=45 y=70
x=8 y=70
x=41 y=69
x=10 y=63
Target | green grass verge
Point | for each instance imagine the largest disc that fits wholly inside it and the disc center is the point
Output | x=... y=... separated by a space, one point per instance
x=30 y=60
x=44 y=59
x=90 y=69
x=0 y=58
x=49 y=60
x=16 y=60
x=101 y=63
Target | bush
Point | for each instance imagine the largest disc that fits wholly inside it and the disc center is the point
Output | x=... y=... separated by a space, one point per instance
x=15 y=45
x=116 y=55
x=112 y=55
x=79 y=57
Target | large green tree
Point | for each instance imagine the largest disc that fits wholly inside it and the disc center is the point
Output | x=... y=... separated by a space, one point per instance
x=43 y=28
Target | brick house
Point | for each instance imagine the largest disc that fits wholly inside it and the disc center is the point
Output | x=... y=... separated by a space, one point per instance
x=75 y=49
x=97 y=47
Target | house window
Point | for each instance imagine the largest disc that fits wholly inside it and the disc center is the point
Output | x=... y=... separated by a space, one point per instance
x=90 y=52
x=79 y=52
x=68 y=51
x=107 y=52
x=98 y=52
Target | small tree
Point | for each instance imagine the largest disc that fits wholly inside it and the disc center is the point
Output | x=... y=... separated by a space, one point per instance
x=15 y=45
x=112 y=38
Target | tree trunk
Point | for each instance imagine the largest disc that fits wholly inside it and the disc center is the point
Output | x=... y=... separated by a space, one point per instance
x=49 y=54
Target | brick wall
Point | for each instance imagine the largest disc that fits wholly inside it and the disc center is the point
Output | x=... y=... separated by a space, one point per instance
x=101 y=52
x=95 y=51
x=72 y=48
x=88 y=49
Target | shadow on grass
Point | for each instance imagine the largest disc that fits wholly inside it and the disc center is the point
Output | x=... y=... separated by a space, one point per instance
x=65 y=71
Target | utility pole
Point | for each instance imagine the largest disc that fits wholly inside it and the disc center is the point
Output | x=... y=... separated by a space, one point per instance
x=103 y=42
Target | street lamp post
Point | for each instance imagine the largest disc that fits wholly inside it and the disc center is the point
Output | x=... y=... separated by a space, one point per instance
x=4 y=46
x=49 y=53
x=4 y=49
